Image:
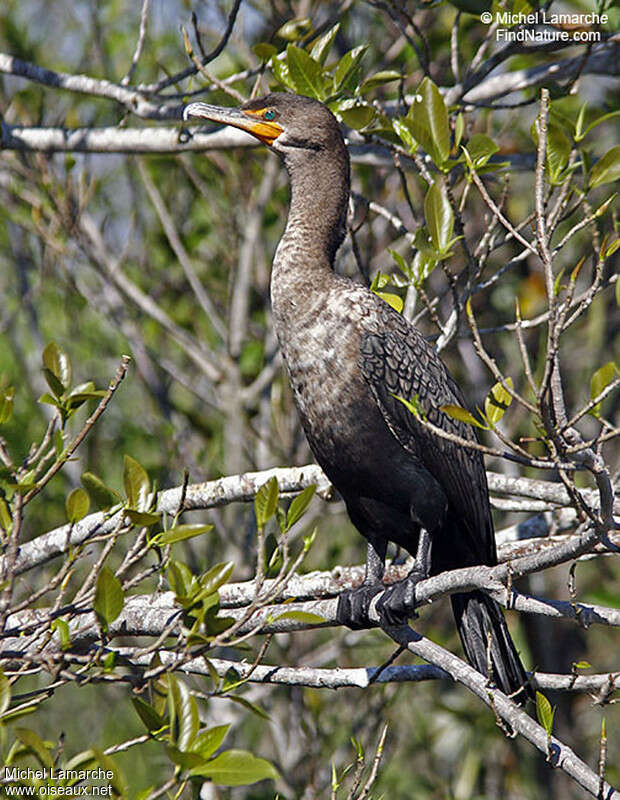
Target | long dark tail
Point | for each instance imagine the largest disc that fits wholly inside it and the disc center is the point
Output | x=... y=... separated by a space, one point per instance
x=486 y=641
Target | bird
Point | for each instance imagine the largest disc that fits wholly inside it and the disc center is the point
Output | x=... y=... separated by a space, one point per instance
x=351 y=359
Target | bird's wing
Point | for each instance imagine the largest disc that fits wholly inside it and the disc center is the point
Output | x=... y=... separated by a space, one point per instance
x=397 y=362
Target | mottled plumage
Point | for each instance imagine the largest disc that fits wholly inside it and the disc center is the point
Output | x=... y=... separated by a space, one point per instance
x=347 y=354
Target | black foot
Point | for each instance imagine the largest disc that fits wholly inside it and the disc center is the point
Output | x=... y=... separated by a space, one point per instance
x=353 y=605
x=397 y=603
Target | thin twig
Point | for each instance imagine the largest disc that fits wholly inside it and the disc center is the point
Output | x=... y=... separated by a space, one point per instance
x=140 y=43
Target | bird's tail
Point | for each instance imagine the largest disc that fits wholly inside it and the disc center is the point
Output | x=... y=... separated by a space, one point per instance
x=488 y=645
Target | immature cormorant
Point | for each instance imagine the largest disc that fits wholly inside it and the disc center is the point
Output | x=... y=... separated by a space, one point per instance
x=349 y=356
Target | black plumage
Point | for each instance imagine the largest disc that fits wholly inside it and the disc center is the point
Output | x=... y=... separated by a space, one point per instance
x=349 y=357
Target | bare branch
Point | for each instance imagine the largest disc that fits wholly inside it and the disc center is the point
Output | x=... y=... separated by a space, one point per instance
x=134 y=101
x=603 y=60
x=181 y=253
x=139 y=44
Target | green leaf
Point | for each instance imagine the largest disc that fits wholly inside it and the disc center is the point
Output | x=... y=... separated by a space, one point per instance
x=392 y=299
x=47 y=398
x=354 y=114
x=558 y=151
x=185 y=760
x=577 y=269
x=322 y=46
x=55 y=385
x=601 y=379
x=109 y=661
x=299 y=505
x=428 y=122
x=180 y=578
x=187 y=718
x=294 y=29
x=579 y=135
x=5 y=693
x=231 y=680
x=579 y=123
x=380 y=281
x=181 y=532
x=56 y=362
x=253 y=707
x=146 y=518
x=582 y=665
x=462 y=414
x=86 y=388
x=497 y=401
x=480 y=148
x=611 y=248
x=36 y=746
x=413 y=405
x=236 y=768
x=305 y=73
x=137 y=484
x=379 y=78
x=545 y=713
x=102 y=495
x=6 y=403
x=6 y=522
x=439 y=217
x=264 y=51
x=459 y=130
x=309 y=541
x=149 y=716
x=80 y=394
x=400 y=263
x=305 y=617
x=265 y=502
x=25 y=485
x=607 y=169
x=210 y=740
x=109 y=597
x=11 y=716
x=77 y=505
x=605 y=205
x=61 y=626
x=424 y=262
x=348 y=70
x=279 y=67
x=216 y=577
x=402 y=130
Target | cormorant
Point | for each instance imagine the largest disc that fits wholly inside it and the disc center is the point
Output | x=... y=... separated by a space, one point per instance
x=349 y=356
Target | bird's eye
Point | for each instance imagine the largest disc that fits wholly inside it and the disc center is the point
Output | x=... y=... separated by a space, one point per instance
x=269 y=115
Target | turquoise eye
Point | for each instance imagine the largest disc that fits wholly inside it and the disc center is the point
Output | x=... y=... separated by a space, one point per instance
x=269 y=115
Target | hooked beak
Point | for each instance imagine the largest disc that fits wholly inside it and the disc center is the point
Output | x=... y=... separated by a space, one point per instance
x=251 y=121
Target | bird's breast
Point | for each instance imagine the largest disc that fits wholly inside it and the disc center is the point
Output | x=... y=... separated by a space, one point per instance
x=320 y=336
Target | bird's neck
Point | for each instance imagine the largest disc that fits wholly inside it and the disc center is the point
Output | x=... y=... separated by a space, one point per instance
x=315 y=228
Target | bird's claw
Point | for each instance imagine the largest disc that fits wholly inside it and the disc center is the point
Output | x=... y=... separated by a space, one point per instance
x=354 y=605
x=397 y=603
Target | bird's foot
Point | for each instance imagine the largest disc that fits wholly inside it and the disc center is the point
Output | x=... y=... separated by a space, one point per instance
x=397 y=603
x=354 y=604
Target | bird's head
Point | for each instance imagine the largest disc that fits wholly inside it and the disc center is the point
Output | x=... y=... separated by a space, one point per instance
x=306 y=135
x=285 y=122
